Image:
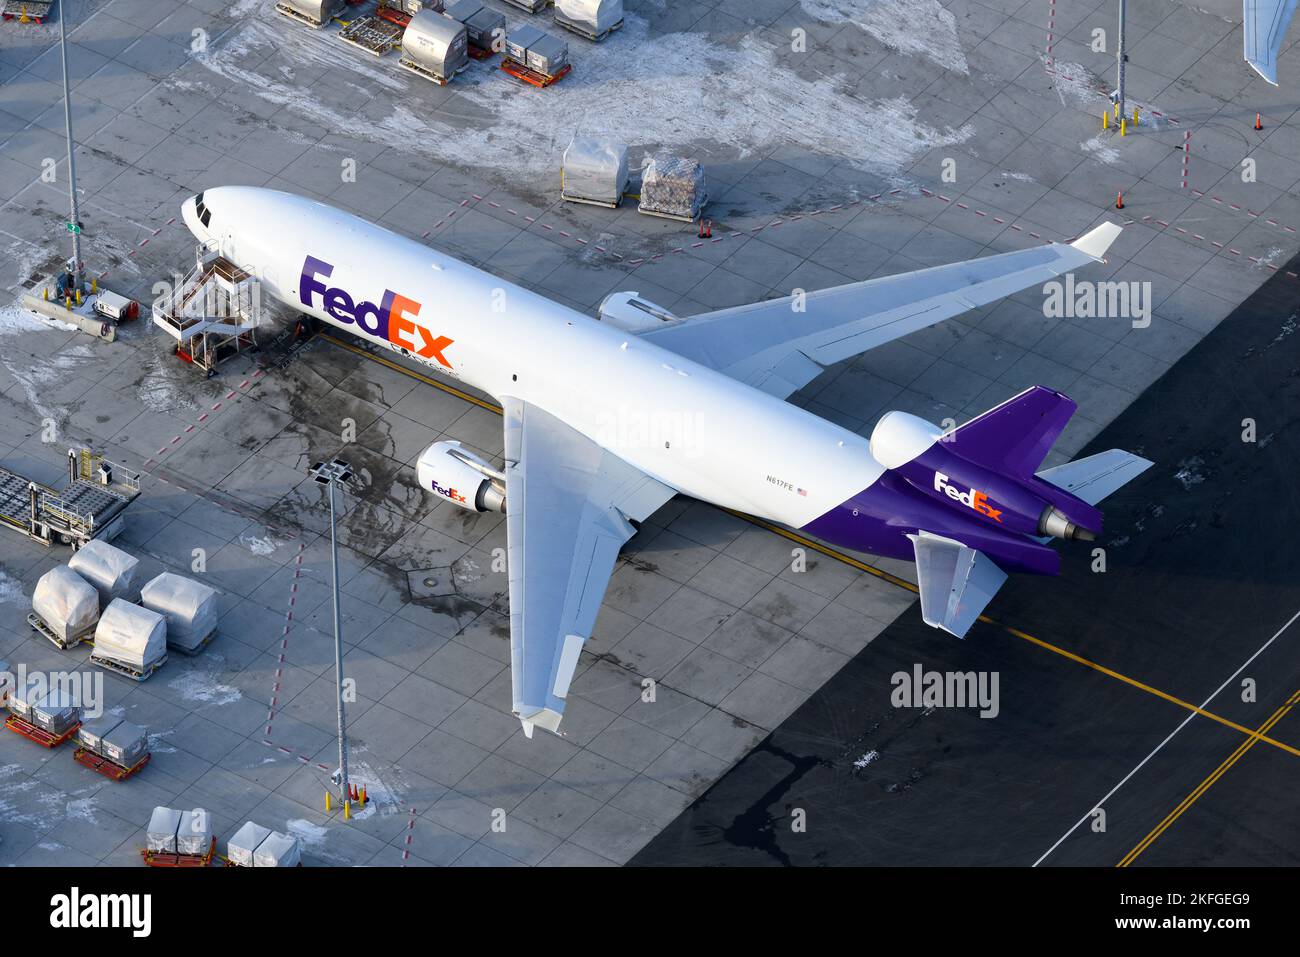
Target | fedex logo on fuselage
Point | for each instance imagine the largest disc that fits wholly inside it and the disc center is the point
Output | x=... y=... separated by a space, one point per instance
x=971 y=499
x=392 y=320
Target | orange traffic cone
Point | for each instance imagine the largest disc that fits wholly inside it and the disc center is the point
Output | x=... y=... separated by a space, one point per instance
x=1258 y=125
x=1119 y=200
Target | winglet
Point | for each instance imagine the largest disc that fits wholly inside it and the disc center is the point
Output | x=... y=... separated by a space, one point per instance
x=1096 y=241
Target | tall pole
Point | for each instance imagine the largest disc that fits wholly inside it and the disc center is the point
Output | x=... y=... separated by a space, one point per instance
x=1119 y=55
x=338 y=653
x=74 y=225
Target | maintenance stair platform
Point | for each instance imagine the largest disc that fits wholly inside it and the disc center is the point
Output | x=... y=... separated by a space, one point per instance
x=90 y=506
x=213 y=314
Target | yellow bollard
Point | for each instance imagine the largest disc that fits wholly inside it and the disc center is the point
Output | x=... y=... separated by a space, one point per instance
x=1105 y=121
x=327 y=802
x=1123 y=126
x=1135 y=116
x=78 y=297
x=363 y=796
x=24 y=18
x=94 y=285
x=46 y=292
x=347 y=810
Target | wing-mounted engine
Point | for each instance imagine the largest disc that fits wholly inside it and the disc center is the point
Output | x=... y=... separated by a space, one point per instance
x=629 y=312
x=985 y=477
x=451 y=471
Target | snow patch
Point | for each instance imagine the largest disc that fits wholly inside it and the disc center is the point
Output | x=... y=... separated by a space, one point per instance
x=687 y=88
x=259 y=546
x=866 y=759
x=1099 y=147
x=203 y=688
x=11 y=589
x=915 y=27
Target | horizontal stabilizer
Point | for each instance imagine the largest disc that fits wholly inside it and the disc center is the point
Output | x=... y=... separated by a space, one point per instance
x=956 y=582
x=1097 y=476
x=1015 y=436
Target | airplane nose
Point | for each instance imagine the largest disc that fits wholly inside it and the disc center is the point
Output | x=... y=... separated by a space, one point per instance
x=189 y=212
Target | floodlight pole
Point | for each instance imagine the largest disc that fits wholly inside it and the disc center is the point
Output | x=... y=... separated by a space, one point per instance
x=74 y=225
x=330 y=474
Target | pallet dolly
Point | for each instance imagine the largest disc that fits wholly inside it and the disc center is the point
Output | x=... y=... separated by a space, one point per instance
x=116 y=772
x=42 y=628
x=122 y=669
x=173 y=859
x=42 y=737
x=521 y=72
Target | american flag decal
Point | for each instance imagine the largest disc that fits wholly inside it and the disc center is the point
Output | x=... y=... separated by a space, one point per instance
x=802 y=491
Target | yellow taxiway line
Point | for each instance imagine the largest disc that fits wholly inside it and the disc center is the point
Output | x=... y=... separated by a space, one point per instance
x=1200 y=789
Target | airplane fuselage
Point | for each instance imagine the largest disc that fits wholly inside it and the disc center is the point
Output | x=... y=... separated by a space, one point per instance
x=701 y=432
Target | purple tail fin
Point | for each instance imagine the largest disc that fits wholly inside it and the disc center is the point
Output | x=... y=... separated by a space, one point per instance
x=1015 y=436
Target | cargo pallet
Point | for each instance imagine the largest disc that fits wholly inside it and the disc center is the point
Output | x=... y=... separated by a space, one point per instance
x=574 y=27
x=26 y=11
x=195 y=649
x=521 y=72
x=42 y=737
x=479 y=53
x=174 y=859
x=373 y=35
x=109 y=769
x=396 y=17
x=39 y=625
x=127 y=670
x=406 y=63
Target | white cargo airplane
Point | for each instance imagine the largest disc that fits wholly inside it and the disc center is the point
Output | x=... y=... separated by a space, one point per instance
x=608 y=418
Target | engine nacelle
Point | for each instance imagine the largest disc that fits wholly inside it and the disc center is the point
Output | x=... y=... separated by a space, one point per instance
x=452 y=472
x=915 y=450
x=629 y=312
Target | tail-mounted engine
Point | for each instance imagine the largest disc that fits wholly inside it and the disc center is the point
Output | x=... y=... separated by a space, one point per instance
x=449 y=470
x=931 y=461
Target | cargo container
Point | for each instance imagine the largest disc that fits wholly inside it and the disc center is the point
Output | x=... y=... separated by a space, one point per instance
x=57 y=712
x=519 y=40
x=130 y=639
x=278 y=850
x=593 y=19
x=548 y=56
x=194 y=832
x=435 y=46
x=65 y=607
x=125 y=744
x=486 y=28
x=314 y=13
x=242 y=845
x=190 y=608
x=161 y=833
x=91 y=734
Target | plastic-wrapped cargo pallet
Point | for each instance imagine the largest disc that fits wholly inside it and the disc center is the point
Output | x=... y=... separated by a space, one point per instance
x=591 y=18
x=435 y=46
x=66 y=602
x=594 y=171
x=519 y=40
x=189 y=607
x=672 y=186
x=161 y=834
x=244 y=842
x=278 y=850
x=109 y=569
x=194 y=834
x=131 y=636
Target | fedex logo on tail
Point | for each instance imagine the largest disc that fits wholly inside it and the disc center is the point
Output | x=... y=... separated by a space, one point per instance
x=971 y=499
x=393 y=319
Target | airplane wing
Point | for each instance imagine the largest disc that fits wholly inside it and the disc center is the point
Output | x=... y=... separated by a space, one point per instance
x=568 y=506
x=1263 y=30
x=780 y=345
x=956 y=582
x=1097 y=476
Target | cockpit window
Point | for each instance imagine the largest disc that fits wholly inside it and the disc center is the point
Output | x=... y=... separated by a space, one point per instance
x=204 y=214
